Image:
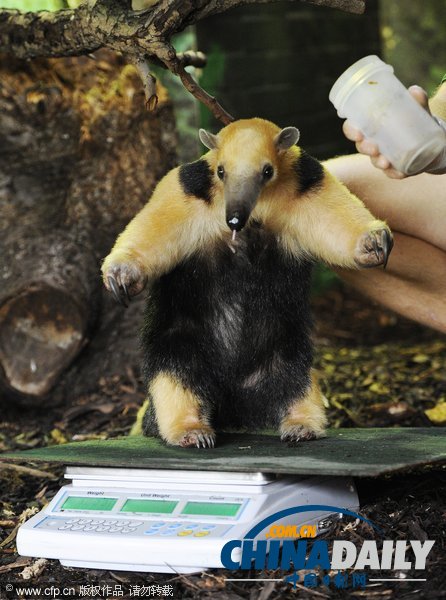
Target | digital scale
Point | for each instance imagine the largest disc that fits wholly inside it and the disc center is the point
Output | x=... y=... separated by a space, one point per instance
x=136 y=505
x=170 y=521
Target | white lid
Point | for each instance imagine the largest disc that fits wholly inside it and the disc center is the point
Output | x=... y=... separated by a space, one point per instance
x=354 y=76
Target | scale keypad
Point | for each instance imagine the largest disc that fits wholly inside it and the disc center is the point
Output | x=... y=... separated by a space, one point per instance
x=180 y=529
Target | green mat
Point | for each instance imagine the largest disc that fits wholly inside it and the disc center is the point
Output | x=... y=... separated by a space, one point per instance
x=356 y=452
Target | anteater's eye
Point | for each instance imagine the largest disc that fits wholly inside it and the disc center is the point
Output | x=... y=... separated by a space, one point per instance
x=268 y=172
x=220 y=172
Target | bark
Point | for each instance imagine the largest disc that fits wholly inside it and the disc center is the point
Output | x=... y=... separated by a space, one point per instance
x=79 y=155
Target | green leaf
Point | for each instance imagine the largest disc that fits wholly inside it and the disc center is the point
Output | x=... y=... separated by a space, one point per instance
x=33 y=5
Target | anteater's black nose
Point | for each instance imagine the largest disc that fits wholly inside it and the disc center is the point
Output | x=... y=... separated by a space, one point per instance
x=236 y=220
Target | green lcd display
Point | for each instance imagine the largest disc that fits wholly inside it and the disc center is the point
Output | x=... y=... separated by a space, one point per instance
x=149 y=506
x=83 y=503
x=213 y=509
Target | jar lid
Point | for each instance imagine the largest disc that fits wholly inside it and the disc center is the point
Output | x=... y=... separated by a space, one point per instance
x=354 y=76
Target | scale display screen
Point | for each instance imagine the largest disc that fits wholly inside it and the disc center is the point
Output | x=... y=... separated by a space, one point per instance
x=213 y=509
x=150 y=506
x=83 y=503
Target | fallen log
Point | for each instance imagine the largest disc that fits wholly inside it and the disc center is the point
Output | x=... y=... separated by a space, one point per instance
x=79 y=155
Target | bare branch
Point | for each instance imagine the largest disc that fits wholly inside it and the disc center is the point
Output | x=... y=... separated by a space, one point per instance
x=47 y=34
x=143 y=36
x=352 y=6
x=200 y=94
x=111 y=23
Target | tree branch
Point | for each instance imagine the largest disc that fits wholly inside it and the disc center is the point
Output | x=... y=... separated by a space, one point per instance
x=46 y=34
x=140 y=35
x=200 y=94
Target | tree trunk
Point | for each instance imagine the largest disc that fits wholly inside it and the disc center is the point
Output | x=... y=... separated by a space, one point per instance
x=79 y=156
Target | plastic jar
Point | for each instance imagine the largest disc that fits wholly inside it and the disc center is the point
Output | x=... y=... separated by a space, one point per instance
x=377 y=103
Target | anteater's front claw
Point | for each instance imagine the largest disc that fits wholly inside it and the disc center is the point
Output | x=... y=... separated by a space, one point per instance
x=117 y=292
x=126 y=293
x=373 y=248
x=387 y=245
x=376 y=248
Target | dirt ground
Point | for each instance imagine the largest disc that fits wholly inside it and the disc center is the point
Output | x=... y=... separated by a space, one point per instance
x=376 y=369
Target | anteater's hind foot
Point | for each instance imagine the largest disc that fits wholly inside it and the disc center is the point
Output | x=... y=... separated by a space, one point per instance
x=305 y=419
x=180 y=415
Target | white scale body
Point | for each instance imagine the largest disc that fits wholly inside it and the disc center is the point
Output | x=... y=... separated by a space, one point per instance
x=168 y=521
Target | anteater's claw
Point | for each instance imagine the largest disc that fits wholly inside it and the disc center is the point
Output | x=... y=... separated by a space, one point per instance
x=204 y=440
x=376 y=248
x=387 y=245
x=126 y=292
x=209 y=441
x=116 y=291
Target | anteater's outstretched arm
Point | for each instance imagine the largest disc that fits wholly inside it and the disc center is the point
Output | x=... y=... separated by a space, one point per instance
x=332 y=225
x=171 y=226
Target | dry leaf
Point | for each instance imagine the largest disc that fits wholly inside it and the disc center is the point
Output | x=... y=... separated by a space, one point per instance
x=437 y=414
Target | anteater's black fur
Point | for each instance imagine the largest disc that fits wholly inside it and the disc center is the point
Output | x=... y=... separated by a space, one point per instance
x=196 y=179
x=188 y=331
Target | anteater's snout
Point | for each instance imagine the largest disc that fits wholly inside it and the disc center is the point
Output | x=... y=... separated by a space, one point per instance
x=241 y=196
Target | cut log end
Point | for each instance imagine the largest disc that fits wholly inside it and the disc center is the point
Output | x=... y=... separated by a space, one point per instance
x=41 y=330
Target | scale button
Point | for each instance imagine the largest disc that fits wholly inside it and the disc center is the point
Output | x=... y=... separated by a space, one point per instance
x=157 y=524
x=52 y=523
x=102 y=528
x=97 y=521
x=185 y=532
x=191 y=525
x=90 y=528
x=77 y=528
x=151 y=532
x=201 y=533
x=128 y=530
x=110 y=522
x=84 y=521
x=65 y=527
x=175 y=525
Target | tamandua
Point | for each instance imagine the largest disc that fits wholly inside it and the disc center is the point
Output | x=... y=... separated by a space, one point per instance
x=227 y=245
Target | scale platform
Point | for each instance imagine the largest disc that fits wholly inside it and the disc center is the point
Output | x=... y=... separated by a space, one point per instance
x=135 y=504
x=356 y=452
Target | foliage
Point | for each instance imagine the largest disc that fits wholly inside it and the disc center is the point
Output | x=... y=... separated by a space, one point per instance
x=33 y=5
x=414 y=40
x=211 y=79
x=401 y=384
x=36 y=5
x=323 y=279
x=185 y=106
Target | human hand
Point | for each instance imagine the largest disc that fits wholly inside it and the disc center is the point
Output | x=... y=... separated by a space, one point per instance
x=370 y=148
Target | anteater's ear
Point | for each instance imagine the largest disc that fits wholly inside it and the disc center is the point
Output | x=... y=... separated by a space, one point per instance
x=208 y=139
x=287 y=138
